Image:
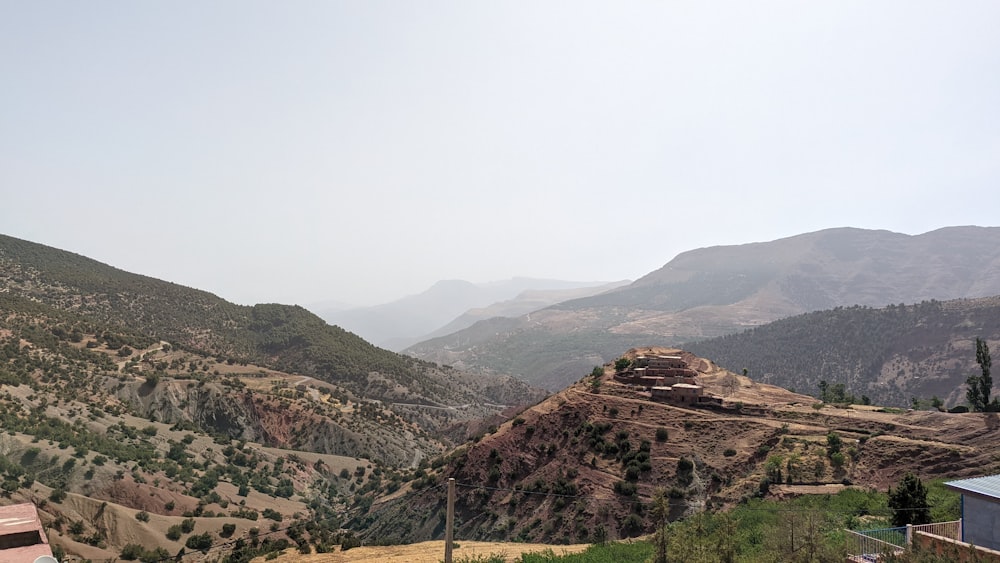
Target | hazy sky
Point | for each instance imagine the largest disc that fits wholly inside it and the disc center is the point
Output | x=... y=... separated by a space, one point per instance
x=358 y=151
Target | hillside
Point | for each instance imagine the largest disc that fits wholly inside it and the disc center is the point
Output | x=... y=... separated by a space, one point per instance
x=406 y=321
x=126 y=442
x=143 y=417
x=146 y=445
x=890 y=355
x=579 y=466
x=286 y=338
x=711 y=292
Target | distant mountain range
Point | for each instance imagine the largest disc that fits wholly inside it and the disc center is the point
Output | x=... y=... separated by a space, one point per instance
x=721 y=290
x=452 y=305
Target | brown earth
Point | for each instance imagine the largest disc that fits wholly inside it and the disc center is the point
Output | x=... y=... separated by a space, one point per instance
x=548 y=476
x=427 y=552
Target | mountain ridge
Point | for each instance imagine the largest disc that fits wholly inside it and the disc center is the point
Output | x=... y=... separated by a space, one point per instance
x=405 y=321
x=720 y=290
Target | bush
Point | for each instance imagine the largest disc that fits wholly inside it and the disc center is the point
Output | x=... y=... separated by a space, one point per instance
x=142 y=516
x=156 y=556
x=625 y=488
x=227 y=530
x=272 y=514
x=348 y=542
x=131 y=552
x=632 y=526
x=174 y=533
x=662 y=434
x=730 y=452
x=199 y=541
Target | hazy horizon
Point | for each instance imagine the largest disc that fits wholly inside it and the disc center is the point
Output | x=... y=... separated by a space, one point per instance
x=361 y=152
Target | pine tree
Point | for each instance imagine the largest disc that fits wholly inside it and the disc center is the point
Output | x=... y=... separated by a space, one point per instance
x=909 y=501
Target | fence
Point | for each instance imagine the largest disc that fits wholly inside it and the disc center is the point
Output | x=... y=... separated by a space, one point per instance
x=873 y=545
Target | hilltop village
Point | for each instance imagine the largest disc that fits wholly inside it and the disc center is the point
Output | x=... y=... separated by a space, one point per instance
x=665 y=378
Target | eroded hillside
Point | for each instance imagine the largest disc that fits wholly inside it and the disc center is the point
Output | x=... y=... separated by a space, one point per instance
x=128 y=443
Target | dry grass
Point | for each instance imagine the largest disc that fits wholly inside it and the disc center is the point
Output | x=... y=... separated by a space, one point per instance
x=425 y=552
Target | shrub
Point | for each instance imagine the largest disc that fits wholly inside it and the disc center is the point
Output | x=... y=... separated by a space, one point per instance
x=632 y=526
x=348 y=542
x=625 y=488
x=730 y=452
x=662 y=434
x=155 y=556
x=272 y=514
x=199 y=541
x=174 y=533
x=632 y=473
x=142 y=516
x=131 y=552
x=187 y=525
x=837 y=460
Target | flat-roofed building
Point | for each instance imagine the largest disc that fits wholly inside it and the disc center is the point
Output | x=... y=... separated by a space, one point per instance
x=22 y=537
x=680 y=393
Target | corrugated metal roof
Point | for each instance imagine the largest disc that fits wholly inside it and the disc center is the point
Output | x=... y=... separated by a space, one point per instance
x=987 y=486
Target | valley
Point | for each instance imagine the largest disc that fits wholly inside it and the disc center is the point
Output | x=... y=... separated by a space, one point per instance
x=146 y=420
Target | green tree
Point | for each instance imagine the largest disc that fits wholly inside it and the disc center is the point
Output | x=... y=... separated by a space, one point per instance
x=660 y=513
x=980 y=386
x=595 y=385
x=909 y=501
x=622 y=364
x=833 y=443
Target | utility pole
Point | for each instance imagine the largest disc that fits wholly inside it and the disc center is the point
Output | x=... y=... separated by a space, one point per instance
x=449 y=522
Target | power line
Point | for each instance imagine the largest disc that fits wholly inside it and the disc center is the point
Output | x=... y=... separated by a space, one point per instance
x=860 y=511
x=877 y=511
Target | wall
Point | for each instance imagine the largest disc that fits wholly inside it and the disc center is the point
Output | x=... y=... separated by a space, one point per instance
x=959 y=552
x=981 y=518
